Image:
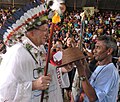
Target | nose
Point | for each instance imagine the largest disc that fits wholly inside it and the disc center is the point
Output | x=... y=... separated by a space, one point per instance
x=46 y=30
x=47 y=34
x=93 y=50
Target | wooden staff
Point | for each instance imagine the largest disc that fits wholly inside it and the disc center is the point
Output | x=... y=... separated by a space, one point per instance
x=48 y=56
x=82 y=31
x=55 y=20
x=74 y=4
x=81 y=42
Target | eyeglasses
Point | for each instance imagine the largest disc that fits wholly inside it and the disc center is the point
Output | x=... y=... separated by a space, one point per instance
x=37 y=26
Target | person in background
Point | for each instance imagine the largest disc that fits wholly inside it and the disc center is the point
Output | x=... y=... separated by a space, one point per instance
x=56 y=59
x=2 y=50
x=70 y=43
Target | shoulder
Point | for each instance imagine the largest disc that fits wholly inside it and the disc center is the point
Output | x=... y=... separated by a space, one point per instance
x=16 y=52
x=111 y=66
x=111 y=71
x=15 y=48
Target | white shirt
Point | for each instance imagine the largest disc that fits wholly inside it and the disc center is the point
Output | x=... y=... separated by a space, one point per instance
x=16 y=75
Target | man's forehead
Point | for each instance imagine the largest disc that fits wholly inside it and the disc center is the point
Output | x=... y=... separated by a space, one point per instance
x=100 y=42
x=44 y=26
x=37 y=24
x=38 y=27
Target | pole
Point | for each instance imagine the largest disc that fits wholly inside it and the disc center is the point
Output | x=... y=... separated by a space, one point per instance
x=55 y=19
x=74 y=4
x=48 y=56
x=13 y=3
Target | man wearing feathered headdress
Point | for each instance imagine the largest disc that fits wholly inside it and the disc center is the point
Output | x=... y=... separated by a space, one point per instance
x=21 y=70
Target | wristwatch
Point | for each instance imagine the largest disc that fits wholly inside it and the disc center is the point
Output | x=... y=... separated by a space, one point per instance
x=82 y=78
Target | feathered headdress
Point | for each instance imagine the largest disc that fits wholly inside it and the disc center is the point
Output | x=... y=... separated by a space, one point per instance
x=32 y=14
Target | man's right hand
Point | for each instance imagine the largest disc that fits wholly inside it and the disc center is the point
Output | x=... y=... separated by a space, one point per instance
x=42 y=83
x=83 y=68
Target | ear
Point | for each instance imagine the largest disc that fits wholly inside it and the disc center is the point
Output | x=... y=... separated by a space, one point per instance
x=110 y=51
x=30 y=34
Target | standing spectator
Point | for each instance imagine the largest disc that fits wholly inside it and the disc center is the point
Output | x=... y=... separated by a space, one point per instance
x=70 y=43
x=118 y=19
x=57 y=48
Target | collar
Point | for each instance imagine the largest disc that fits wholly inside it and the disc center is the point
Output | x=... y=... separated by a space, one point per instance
x=26 y=40
x=40 y=50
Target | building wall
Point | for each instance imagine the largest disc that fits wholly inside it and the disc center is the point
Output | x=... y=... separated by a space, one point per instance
x=11 y=3
x=101 y=4
x=77 y=3
x=109 y=4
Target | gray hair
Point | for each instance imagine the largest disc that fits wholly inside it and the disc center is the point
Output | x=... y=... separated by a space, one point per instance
x=109 y=42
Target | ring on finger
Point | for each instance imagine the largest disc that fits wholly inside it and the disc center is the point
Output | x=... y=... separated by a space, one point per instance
x=48 y=84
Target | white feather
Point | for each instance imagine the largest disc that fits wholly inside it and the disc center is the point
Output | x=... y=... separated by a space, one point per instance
x=23 y=19
x=56 y=6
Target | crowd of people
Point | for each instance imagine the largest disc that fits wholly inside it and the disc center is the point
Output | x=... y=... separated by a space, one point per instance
x=69 y=31
x=5 y=14
x=85 y=34
x=106 y=22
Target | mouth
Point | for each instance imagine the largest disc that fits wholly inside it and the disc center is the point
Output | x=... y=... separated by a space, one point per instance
x=46 y=38
x=95 y=55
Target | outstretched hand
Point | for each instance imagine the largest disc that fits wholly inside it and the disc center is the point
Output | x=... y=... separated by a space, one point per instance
x=82 y=67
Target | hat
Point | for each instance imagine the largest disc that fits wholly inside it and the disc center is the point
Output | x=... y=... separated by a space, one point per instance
x=71 y=55
x=25 y=18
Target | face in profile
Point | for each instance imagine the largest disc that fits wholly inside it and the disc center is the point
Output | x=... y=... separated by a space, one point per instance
x=38 y=36
x=100 y=51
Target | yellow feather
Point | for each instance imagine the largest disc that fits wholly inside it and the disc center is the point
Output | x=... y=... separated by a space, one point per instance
x=56 y=18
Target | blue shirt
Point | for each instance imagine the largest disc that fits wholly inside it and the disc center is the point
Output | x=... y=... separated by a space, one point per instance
x=105 y=81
